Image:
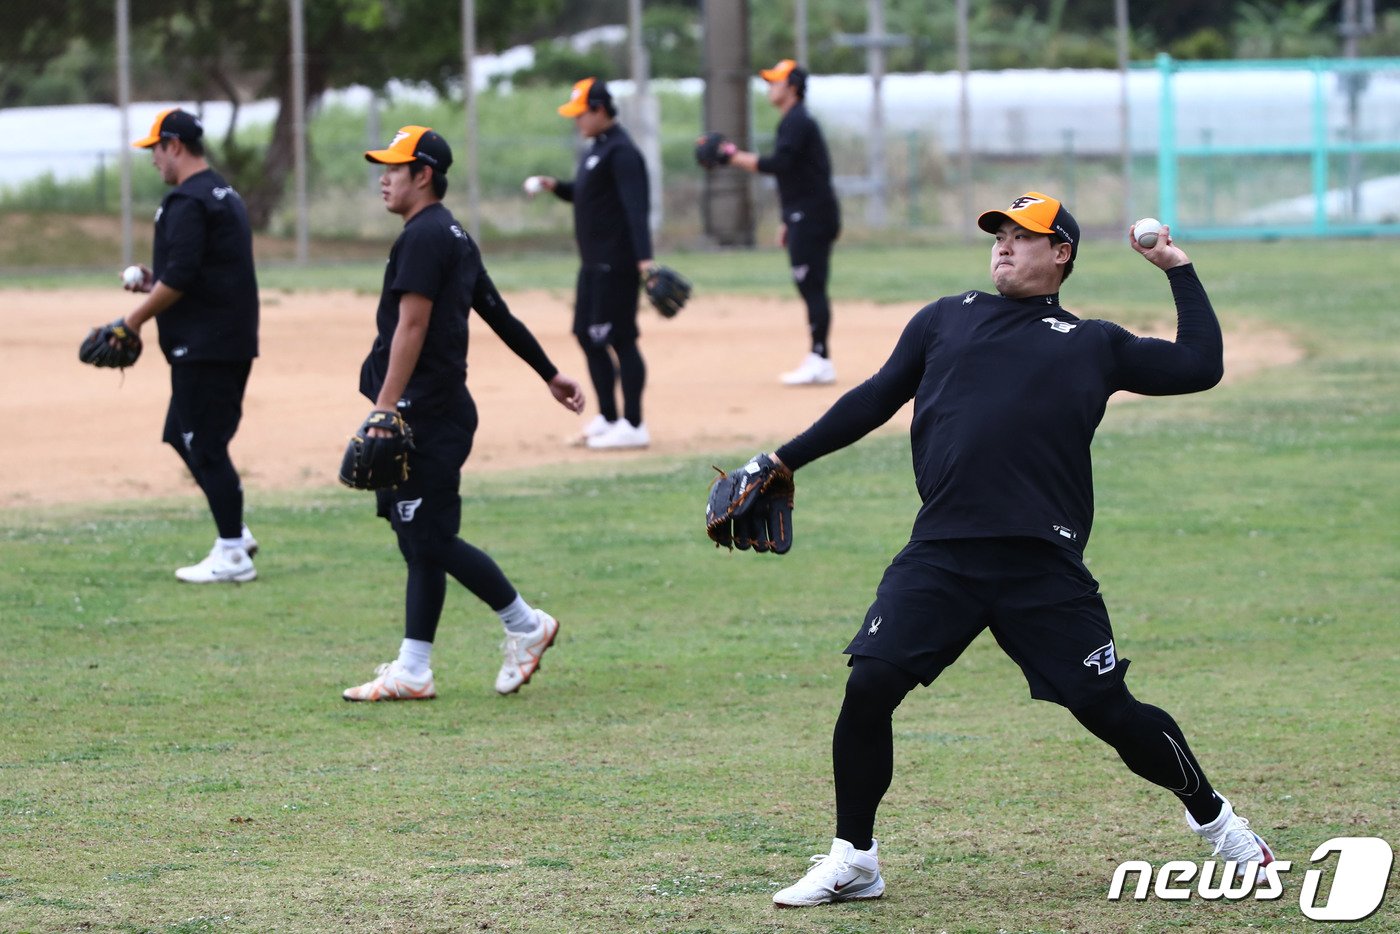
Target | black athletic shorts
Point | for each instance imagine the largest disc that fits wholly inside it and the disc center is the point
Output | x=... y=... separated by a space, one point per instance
x=427 y=507
x=1039 y=600
x=206 y=405
x=605 y=303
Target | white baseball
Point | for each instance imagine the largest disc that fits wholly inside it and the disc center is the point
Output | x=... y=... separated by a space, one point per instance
x=133 y=276
x=1145 y=232
x=533 y=185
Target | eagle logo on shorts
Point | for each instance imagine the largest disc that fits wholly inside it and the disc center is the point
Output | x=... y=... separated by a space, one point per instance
x=407 y=508
x=1103 y=658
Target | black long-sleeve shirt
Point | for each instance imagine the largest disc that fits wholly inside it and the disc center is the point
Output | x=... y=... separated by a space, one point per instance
x=801 y=164
x=611 y=201
x=1007 y=396
x=203 y=247
x=434 y=257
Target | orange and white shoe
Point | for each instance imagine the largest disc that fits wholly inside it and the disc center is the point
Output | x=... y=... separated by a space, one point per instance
x=523 y=652
x=393 y=682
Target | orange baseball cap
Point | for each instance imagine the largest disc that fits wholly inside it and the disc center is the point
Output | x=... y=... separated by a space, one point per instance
x=414 y=144
x=172 y=123
x=1039 y=213
x=590 y=92
x=779 y=72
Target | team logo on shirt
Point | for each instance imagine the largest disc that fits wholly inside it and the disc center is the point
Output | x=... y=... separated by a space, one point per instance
x=874 y=629
x=1064 y=327
x=406 y=508
x=222 y=193
x=1102 y=658
x=160 y=210
x=188 y=438
x=969 y=298
x=457 y=232
x=590 y=162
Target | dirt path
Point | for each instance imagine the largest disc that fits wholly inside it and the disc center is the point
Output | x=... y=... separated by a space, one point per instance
x=95 y=435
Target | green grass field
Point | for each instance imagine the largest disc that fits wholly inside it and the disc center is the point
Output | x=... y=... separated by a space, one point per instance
x=177 y=759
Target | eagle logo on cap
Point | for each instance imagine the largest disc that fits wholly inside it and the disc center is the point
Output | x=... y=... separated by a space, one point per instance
x=400 y=135
x=1023 y=202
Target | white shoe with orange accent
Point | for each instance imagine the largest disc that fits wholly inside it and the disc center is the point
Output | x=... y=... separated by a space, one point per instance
x=393 y=682
x=1234 y=840
x=523 y=652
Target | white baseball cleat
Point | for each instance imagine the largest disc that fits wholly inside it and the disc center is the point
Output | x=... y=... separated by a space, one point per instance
x=814 y=370
x=222 y=566
x=843 y=875
x=599 y=426
x=1234 y=840
x=250 y=544
x=622 y=434
x=393 y=682
x=523 y=652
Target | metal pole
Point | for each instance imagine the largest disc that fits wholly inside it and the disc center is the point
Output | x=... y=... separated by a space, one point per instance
x=299 y=130
x=875 y=144
x=964 y=123
x=123 y=122
x=799 y=28
x=644 y=113
x=1125 y=143
x=469 y=104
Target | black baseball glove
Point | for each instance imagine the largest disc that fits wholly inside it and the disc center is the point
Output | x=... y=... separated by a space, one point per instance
x=712 y=149
x=667 y=290
x=111 y=345
x=752 y=507
x=372 y=462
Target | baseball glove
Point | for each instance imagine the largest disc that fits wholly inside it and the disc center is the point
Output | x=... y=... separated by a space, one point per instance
x=111 y=345
x=667 y=290
x=713 y=149
x=372 y=462
x=752 y=507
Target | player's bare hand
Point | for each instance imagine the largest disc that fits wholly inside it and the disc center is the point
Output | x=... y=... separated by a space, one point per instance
x=782 y=235
x=567 y=392
x=1164 y=254
x=137 y=278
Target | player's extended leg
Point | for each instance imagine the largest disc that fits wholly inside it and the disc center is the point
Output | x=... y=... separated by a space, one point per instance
x=602 y=372
x=809 y=253
x=1151 y=744
x=633 y=372
x=862 y=754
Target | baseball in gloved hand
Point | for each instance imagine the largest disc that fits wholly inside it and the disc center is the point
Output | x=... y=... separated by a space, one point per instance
x=752 y=507
x=713 y=149
x=111 y=345
x=667 y=290
x=375 y=463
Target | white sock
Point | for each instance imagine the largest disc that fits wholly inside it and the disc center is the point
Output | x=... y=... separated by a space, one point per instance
x=416 y=656
x=230 y=543
x=519 y=617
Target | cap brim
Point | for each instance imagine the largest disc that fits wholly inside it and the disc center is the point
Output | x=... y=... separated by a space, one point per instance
x=991 y=222
x=574 y=108
x=387 y=157
x=145 y=143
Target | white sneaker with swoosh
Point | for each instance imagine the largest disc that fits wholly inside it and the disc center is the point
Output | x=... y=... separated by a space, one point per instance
x=843 y=875
x=523 y=653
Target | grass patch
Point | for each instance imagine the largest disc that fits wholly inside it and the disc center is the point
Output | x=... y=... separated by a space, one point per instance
x=178 y=759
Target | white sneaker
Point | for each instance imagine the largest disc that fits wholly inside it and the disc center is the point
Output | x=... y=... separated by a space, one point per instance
x=622 y=434
x=1234 y=840
x=393 y=682
x=523 y=652
x=223 y=565
x=842 y=875
x=250 y=544
x=593 y=429
x=814 y=370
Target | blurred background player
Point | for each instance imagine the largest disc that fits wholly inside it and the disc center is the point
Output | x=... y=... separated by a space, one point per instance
x=203 y=292
x=811 y=214
x=611 y=206
x=1008 y=390
x=418 y=366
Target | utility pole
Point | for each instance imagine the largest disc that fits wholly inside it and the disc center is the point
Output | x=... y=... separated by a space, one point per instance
x=298 y=64
x=1358 y=19
x=469 y=105
x=123 y=122
x=645 y=117
x=964 y=122
x=875 y=40
x=727 y=202
x=1125 y=142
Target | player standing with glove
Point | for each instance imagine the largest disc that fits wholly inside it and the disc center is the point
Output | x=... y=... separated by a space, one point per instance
x=1008 y=390
x=203 y=292
x=415 y=375
x=811 y=214
x=611 y=202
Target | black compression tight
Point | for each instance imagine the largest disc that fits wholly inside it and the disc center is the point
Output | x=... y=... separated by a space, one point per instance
x=219 y=480
x=427 y=585
x=1150 y=743
x=862 y=746
x=605 y=374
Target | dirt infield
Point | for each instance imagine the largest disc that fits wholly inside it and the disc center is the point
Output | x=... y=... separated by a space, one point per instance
x=95 y=435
